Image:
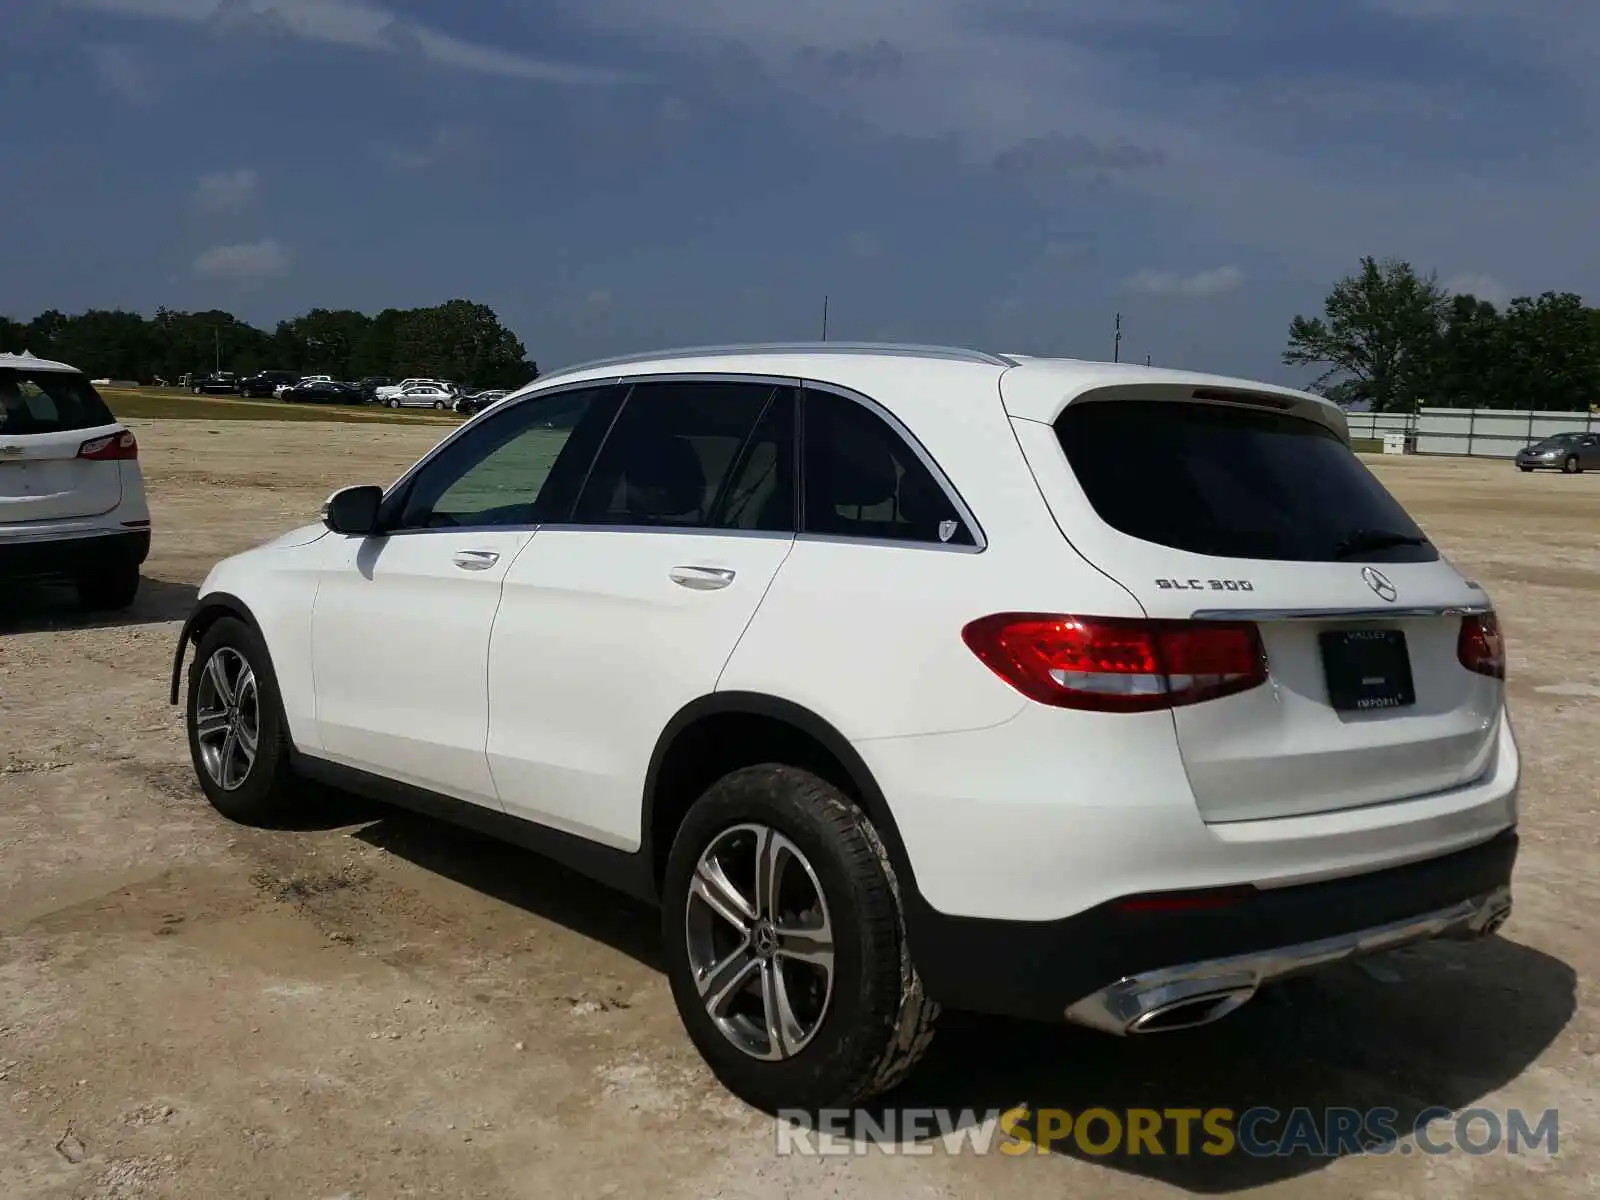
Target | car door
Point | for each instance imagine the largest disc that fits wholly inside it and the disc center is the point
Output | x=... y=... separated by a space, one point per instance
x=1589 y=451
x=400 y=628
x=617 y=617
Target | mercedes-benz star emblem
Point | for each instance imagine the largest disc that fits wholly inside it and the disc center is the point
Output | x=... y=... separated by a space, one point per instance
x=1379 y=582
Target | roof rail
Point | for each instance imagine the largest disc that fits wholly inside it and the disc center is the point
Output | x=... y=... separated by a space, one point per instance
x=949 y=353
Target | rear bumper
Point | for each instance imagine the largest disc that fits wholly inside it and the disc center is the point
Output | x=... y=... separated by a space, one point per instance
x=1195 y=992
x=1099 y=967
x=70 y=556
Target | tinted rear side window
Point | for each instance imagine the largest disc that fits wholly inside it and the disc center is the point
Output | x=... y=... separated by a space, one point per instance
x=862 y=480
x=49 y=402
x=1233 y=483
x=672 y=454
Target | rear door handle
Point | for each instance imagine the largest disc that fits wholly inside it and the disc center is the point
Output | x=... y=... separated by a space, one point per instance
x=476 y=560
x=701 y=579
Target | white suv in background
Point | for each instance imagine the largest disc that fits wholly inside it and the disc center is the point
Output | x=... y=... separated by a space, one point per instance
x=72 y=501
x=901 y=678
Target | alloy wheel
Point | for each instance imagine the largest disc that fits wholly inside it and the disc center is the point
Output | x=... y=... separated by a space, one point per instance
x=760 y=941
x=227 y=718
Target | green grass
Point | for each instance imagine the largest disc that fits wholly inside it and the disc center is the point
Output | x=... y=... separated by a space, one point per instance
x=152 y=404
x=1367 y=445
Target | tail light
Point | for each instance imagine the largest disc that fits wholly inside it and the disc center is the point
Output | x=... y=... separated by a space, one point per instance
x=1114 y=665
x=1480 y=647
x=110 y=448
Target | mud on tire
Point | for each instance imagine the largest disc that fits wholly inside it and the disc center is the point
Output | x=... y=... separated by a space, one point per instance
x=837 y=1044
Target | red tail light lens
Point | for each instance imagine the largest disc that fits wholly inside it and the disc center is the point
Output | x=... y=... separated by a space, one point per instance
x=1480 y=647
x=1114 y=665
x=110 y=448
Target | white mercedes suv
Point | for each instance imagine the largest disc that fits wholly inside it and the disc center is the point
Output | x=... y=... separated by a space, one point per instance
x=72 y=501
x=901 y=678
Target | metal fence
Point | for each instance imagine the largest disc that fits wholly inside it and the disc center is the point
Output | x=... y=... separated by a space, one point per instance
x=1470 y=432
x=1493 y=432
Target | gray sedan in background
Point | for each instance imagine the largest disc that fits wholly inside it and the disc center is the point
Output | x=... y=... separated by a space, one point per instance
x=1569 y=452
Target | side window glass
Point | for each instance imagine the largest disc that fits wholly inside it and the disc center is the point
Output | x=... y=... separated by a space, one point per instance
x=862 y=480
x=671 y=454
x=759 y=494
x=517 y=468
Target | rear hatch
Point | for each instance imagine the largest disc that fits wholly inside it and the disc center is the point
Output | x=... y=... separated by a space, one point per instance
x=1222 y=506
x=46 y=419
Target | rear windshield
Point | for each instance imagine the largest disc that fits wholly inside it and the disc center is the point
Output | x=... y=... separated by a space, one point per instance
x=1234 y=483
x=49 y=402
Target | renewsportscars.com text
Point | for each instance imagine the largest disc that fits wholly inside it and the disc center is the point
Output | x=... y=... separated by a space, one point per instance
x=1212 y=1132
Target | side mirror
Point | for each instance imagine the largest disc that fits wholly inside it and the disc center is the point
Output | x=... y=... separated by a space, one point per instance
x=353 y=510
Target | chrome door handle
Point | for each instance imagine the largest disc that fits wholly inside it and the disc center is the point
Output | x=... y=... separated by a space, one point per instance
x=476 y=560
x=701 y=579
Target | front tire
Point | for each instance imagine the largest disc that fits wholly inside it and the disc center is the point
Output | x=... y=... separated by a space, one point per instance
x=238 y=739
x=786 y=947
x=1572 y=466
x=109 y=589
x=394 y=404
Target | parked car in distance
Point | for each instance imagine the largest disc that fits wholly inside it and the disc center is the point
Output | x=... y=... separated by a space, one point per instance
x=72 y=502
x=393 y=389
x=267 y=383
x=1572 y=453
x=421 y=395
x=789 y=640
x=369 y=385
x=468 y=403
x=218 y=383
x=323 y=391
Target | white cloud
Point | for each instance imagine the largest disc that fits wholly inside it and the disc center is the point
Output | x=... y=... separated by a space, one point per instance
x=121 y=70
x=226 y=191
x=357 y=25
x=245 y=262
x=1484 y=287
x=1202 y=283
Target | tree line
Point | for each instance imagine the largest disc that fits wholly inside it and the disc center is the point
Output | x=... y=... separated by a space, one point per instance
x=459 y=340
x=1394 y=339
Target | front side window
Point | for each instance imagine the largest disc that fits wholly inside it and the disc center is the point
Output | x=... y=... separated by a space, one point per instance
x=518 y=467
x=863 y=480
x=695 y=455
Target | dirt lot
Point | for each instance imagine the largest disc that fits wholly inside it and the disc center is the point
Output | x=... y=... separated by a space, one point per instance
x=384 y=1007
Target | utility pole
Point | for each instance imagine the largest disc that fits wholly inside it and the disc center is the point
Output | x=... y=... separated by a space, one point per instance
x=1116 y=342
x=824 y=318
x=216 y=332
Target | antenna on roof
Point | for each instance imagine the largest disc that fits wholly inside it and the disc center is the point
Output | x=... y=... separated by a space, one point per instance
x=1116 y=342
x=824 y=317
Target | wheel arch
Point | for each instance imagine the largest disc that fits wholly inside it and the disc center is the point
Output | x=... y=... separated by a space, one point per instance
x=691 y=754
x=208 y=610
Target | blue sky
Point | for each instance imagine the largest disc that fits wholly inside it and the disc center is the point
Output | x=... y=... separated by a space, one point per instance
x=615 y=175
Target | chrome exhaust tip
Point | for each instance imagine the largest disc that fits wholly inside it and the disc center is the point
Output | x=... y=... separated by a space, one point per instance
x=1192 y=1012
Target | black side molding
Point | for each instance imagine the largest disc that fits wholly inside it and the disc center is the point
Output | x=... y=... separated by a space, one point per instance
x=626 y=872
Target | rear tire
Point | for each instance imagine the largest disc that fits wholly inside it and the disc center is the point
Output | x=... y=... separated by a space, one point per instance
x=851 y=1028
x=238 y=739
x=109 y=589
x=1572 y=466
